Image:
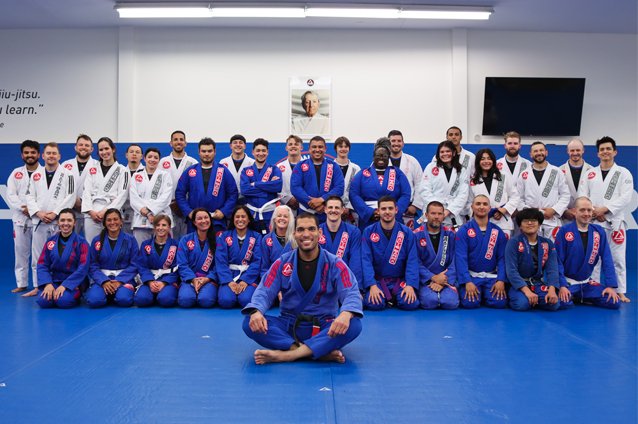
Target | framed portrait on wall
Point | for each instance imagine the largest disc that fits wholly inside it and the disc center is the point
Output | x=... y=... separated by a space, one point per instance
x=310 y=106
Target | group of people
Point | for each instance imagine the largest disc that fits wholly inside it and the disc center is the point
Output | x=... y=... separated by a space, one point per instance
x=175 y=230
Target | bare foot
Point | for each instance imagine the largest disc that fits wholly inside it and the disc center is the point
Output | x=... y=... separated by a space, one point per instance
x=32 y=293
x=334 y=356
x=263 y=356
x=624 y=298
x=19 y=289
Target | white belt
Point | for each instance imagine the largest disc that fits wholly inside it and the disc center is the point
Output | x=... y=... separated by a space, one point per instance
x=111 y=272
x=573 y=282
x=265 y=208
x=483 y=274
x=157 y=273
x=312 y=211
x=240 y=268
x=372 y=203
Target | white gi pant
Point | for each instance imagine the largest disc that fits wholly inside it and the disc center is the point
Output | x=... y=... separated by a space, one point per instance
x=22 y=236
x=91 y=228
x=41 y=232
x=617 y=241
x=142 y=234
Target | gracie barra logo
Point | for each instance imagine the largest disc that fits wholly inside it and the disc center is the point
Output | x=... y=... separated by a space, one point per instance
x=286 y=271
x=366 y=173
x=69 y=166
x=139 y=178
x=499 y=165
x=471 y=233
x=166 y=164
x=282 y=168
x=569 y=236
x=545 y=247
x=208 y=261
x=229 y=240
x=491 y=244
x=249 y=251
x=554 y=232
x=397 y=248
x=595 y=248
x=218 y=181
x=147 y=249
x=190 y=244
x=374 y=237
x=97 y=246
x=423 y=242
x=328 y=181
x=322 y=239
x=342 y=244
x=435 y=171
x=524 y=175
x=392 y=179
x=192 y=172
x=18 y=175
x=250 y=172
x=618 y=236
x=267 y=174
x=170 y=257
x=269 y=242
x=93 y=171
x=50 y=245
x=304 y=167
x=591 y=175
x=37 y=176
x=521 y=247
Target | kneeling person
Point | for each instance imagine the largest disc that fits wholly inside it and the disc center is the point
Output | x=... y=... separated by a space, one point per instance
x=313 y=283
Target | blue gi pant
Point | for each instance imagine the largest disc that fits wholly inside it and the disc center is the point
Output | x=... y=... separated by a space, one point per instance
x=227 y=299
x=519 y=302
x=206 y=298
x=448 y=298
x=96 y=296
x=484 y=285
x=591 y=294
x=396 y=299
x=167 y=297
x=69 y=299
x=280 y=330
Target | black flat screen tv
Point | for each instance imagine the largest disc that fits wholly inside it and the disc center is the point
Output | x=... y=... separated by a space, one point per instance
x=533 y=106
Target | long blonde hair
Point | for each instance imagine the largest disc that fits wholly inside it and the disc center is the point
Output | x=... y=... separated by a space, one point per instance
x=290 y=231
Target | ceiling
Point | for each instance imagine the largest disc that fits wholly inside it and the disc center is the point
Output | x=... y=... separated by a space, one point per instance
x=586 y=16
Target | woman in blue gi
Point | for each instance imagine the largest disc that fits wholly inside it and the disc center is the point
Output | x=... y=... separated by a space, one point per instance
x=280 y=240
x=157 y=266
x=238 y=260
x=112 y=270
x=63 y=265
x=196 y=262
x=376 y=181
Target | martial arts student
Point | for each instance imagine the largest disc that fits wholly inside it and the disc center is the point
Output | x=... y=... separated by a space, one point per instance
x=134 y=166
x=512 y=164
x=157 y=266
x=349 y=169
x=532 y=265
x=63 y=266
x=175 y=164
x=580 y=246
x=378 y=180
x=82 y=161
x=112 y=270
x=437 y=273
x=196 y=262
x=498 y=187
x=294 y=147
x=480 y=259
x=313 y=283
x=340 y=238
x=260 y=185
x=466 y=158
x=207 y=185
x=237 y=162
x=446 y=181
x=413 y=171
x=280 y=240
x=543 y=187
x=575 y=170
x=315 y=179
x=105 y=187
x=238 y=260
x=17 y=187
x=49 y=192
x=150 y=195
x=610 y=187
x=390 y=261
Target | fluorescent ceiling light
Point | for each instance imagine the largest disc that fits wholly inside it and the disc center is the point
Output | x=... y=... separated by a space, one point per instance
x=163 y=12
x=446 y=14
x=337 y=12
x=258 y=12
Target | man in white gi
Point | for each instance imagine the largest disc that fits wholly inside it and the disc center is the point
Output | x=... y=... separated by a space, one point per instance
x=512 y=164
x=466 y=158
x=77 y=165
x=312 y=122
x=49 y=192
x=134 y=158
x=175 y=164
x=17 y=187
x=575 y=170
x=237 y=161
x=294 y=147
x=349 y=170
x=543 y=187
x=610 y=187
x=411 y=167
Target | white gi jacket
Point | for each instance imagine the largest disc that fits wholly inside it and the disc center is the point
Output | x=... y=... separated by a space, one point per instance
x=154 y=194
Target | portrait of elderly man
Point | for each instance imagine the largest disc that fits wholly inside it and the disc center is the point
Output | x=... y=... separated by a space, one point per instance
x=311 y=121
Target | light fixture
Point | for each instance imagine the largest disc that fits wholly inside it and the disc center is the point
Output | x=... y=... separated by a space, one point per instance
x=278 y=10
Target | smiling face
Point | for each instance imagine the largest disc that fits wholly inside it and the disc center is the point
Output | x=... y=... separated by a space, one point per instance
x=51 y=156
x=66 y=222
x=446 y=154
x=202 y=221
x=584 y=212
x=281 y=220
x=306 y=234
x=260 y=153
x=293 y=146
x=387 y=212
x=105 y=151
x=238 y=147
x=486 y=162
x=606 y=152
x=575 y=150
x=317 y=150
x=240 y=219
x=396 y=144
x=381 y=158
x=178 y=142
x=538 y=153
x=161 y=228
x=113 y=223
x=83 y=148
x=480 y=206
x=30 y=156
x=151 y=159
x=334 y=209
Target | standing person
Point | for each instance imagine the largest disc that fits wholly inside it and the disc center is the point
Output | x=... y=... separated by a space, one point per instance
x=312 y=121
x=294 y=147
x=17 y=188
x=49 y=192
x=575 y=170
x=207 y=185
x=196 y=261
x=237 y=162
x=480 y=259
x=378 y=180
x=543 y=187
x=175 y=164
x=580 y=247
x=610 y=187
x=437 y=271
x=532 y=266
x=63 y=266
x=349 y=170
x=280 y=239
x=150 y=195
x=77 y=165
x=466 y=158
x=157 y=266
x=410 y=166
x=315 y=179
x=134 y=166
x=498 y=187
x=445 y=180
x=105 y=187
x=260 y=184
x=340 y=238
x=112 y=270
x=513 y=164
x=313 y=283
x=390 y=261
x=238 y=260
